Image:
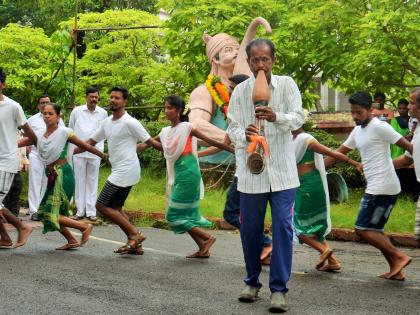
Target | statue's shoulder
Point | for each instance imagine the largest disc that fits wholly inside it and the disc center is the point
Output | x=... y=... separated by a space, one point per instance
x=200 y=97
x=200 y=90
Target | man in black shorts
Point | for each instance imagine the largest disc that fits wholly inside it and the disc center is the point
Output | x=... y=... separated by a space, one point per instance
x=122 y=133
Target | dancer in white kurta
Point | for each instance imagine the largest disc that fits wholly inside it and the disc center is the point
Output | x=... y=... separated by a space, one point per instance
x=85 y=120
x=11 y=117
x=36 y=174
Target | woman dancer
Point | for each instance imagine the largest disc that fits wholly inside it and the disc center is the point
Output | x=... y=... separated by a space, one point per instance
x=54 y=209
x=184 y=185
x=312 y=206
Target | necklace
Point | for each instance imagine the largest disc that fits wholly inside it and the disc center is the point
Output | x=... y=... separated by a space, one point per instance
x=218 y=92
x=47 y=134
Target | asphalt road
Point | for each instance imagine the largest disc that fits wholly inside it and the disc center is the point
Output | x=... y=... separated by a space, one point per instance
x=36 y=279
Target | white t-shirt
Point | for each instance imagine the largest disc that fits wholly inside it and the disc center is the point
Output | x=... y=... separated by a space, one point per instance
x=416 y=153
x=37 y=123
x=373 y=142
x=122 y=136
x=11 y=117
x=85 y=123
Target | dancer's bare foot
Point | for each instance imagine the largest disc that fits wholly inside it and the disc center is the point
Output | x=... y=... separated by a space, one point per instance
x=398 y=265
x=68 y=246
x=23 y=235
x=5 y=242
x=266 y=251
x=266 y=261
x=383 y=275
x=398 y=277
x=207 y=245
x=85 y=234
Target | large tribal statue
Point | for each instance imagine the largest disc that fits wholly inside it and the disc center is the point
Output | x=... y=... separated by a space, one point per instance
x=208 y=102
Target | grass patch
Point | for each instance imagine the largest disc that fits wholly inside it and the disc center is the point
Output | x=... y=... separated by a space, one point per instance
x=402 y=217
x=149 y=196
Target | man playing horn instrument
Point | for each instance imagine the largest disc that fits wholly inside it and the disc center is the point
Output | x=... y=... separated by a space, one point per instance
x=277 y=181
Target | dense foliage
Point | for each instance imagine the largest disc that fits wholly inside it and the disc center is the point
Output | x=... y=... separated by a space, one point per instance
x=47 y=14
x=353 y=45
x=152 y=158
x=24 y=56
x=352 y=177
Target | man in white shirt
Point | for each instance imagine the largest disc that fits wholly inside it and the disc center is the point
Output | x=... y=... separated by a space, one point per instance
x=277 y=183
x=85 y=121
x=11 y=117
x=372 y=138
x=122 y=133
x=408 y=159
x=36 y=175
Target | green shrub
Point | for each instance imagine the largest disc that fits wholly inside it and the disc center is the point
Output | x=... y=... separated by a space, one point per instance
x=352 y=177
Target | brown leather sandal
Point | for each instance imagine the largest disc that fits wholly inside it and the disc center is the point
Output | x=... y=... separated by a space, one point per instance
x=133 y=246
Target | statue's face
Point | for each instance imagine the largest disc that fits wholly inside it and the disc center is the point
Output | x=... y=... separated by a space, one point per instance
x=227 y=55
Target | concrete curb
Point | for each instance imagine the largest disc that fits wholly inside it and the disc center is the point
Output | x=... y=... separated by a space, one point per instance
x=347 y=235
x=337 y=234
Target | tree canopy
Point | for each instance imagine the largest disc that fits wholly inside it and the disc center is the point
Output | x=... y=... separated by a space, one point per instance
x=47 y=14
x=25 y=58
x=351 y=44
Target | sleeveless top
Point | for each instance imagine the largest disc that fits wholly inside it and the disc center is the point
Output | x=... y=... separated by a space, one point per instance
x=308 y=158
x=188 y=146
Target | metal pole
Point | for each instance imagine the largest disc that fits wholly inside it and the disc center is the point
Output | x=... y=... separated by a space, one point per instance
x=111 y=28
x=73 y=92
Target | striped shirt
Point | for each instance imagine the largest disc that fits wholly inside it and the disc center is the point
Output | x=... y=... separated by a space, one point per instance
x=280 y=172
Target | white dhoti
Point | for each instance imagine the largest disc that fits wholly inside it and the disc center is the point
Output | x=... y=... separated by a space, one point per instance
x=37 y=182
x=86 y=172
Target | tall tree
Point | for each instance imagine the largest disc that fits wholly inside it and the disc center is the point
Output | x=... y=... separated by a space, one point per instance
x=134 y=58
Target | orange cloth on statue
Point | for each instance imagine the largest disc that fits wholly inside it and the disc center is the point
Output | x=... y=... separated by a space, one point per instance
x=188 y=146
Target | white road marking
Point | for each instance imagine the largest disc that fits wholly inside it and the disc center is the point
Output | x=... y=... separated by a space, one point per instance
x=220 y=259
x=120 y=244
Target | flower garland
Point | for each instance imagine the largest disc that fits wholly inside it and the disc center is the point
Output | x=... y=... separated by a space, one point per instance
x=219 y=93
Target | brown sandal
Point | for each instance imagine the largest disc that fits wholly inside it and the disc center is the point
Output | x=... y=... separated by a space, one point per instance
x=199 y=255
x=68 y=246
x=330 y=268
x=133 y=246
x=323 y=257
x=86 y=234
x=6 y=244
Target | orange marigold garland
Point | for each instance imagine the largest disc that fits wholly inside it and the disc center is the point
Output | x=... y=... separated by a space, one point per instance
x=219 y=93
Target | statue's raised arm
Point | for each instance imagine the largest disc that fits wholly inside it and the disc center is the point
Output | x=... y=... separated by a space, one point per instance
x=208 y=102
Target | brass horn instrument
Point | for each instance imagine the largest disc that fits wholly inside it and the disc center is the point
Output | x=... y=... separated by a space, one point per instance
x=260 y=97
